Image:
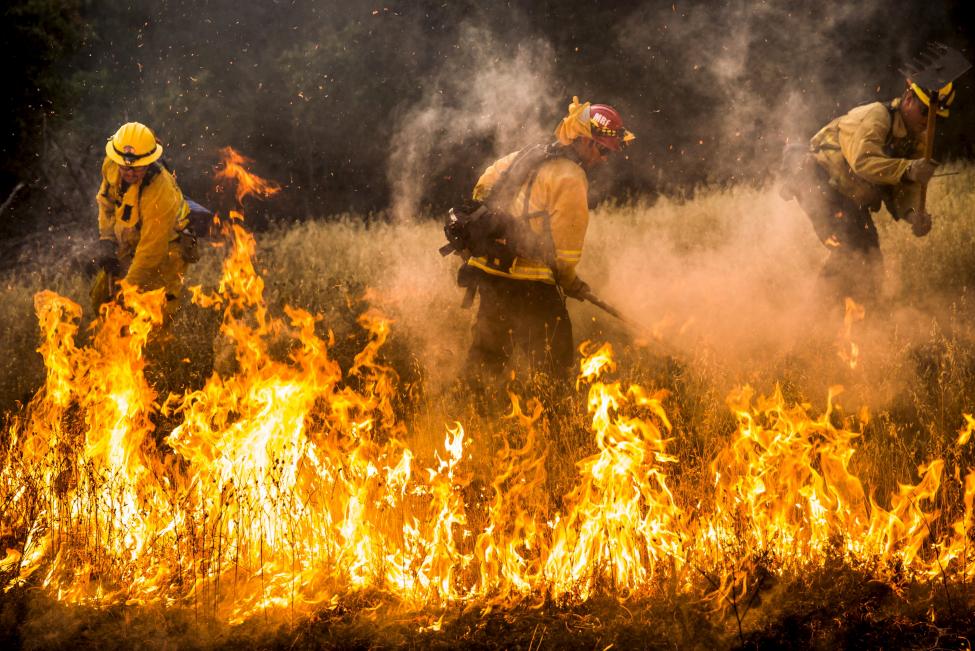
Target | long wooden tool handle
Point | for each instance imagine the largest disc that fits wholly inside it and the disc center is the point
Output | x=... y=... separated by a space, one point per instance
x=605 y=307
x=933 y=105
x=649 y=338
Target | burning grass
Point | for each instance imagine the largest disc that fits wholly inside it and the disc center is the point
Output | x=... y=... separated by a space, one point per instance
x=312 y=475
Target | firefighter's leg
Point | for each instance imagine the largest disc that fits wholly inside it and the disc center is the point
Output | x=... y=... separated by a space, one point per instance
x=811 y=189
x=864 y=266
x=838 y=279
x=492 y=346
x=852 y=271
x=546 y=333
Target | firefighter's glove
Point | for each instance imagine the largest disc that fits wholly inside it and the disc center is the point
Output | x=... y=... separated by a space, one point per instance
x=577 y=288
x=920 y=222
x=106 y=258
x=921 y=170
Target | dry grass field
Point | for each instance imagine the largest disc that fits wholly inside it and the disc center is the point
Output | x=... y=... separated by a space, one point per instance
x=718 y=290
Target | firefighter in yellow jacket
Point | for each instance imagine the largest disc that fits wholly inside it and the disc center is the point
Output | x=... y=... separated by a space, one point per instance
x=872 y=156
x=143 y=219
x=522 y=296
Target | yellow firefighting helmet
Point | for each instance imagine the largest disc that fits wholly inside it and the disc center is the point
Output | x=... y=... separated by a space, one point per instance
x=946 y=95
x=133 y=145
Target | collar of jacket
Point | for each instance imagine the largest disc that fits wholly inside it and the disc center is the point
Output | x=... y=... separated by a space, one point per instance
x=115 y=179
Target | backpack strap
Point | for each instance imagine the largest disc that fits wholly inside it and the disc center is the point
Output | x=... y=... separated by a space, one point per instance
x=523 y=168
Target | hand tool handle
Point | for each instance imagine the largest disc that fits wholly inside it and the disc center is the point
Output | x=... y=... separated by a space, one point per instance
x=934 y=102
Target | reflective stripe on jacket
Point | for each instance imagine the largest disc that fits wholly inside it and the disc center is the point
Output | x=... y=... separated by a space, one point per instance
x=866 y=153
x=559 y=191
x=142 y=220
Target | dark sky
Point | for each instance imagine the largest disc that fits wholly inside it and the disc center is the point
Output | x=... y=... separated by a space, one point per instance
x=399 y=105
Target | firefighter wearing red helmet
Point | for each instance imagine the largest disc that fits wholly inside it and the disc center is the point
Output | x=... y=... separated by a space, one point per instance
x=543 y=190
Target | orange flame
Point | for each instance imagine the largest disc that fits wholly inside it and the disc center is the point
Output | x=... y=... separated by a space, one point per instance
x=287 y=483
x=849 y=351
x=246 y=182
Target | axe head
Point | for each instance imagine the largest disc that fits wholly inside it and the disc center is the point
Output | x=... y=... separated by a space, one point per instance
x=937 y=66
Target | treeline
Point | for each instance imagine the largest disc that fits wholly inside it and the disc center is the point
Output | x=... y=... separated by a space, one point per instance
x=361 y=107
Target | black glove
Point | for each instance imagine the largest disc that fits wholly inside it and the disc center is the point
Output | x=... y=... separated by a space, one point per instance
x=106 y=258
x=921 y=170
x=920 y=222
x=577 y=288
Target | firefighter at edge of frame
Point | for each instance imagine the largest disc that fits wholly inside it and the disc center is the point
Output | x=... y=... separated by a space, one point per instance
x=143 y=221
x=522 y=301
x=873 y=155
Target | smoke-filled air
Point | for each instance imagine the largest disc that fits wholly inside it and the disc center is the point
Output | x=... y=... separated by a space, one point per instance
x=449 y=325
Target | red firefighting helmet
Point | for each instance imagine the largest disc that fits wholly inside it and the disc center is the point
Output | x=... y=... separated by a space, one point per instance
x=607 y=127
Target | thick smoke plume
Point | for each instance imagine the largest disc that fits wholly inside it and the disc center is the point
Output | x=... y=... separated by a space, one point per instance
x=490 y=91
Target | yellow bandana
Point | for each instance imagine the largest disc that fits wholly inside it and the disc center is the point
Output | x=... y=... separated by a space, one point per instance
x=576 y=124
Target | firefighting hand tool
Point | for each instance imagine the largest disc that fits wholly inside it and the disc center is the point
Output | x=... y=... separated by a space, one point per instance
x=587 y=295
x=641 y=330
x=931 y=76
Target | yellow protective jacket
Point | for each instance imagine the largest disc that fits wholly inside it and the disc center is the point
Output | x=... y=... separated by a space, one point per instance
x=144 y=221
x=866 y=153
x=559 y=190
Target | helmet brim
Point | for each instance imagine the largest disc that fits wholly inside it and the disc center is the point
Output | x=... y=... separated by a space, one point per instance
x=115 y=156
x=609 y=142
x=613 y=142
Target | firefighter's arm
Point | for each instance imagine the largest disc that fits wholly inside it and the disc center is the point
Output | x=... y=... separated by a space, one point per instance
x=160 y=208
x=864 y=151
x=907 y=196
x=568 y=207
x=106 y=212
